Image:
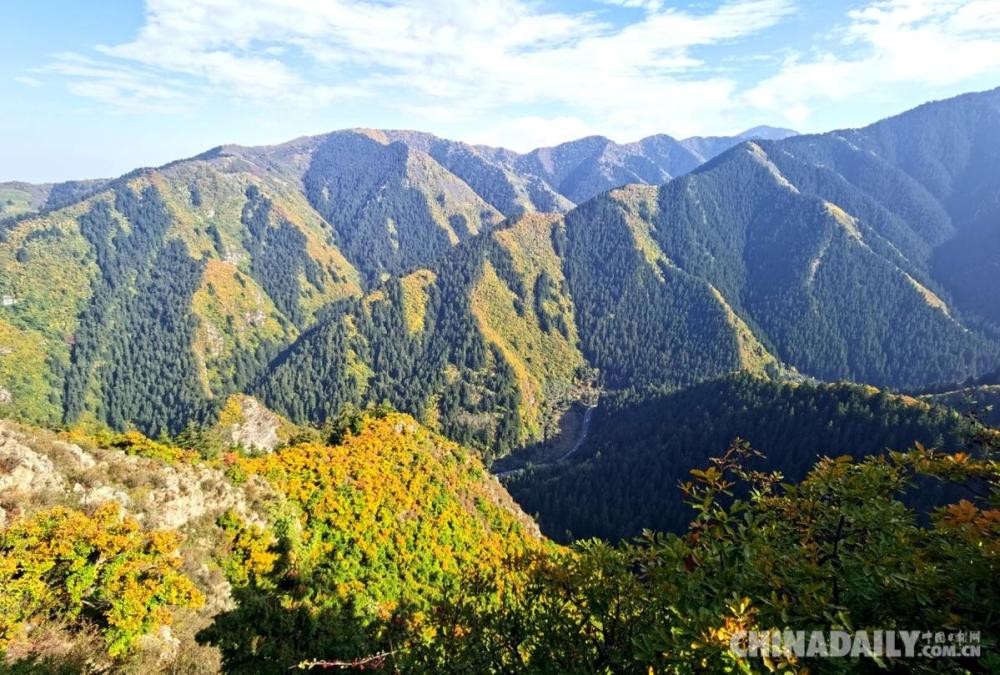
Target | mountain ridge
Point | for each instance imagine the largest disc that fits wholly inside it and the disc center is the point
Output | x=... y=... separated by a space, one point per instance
x=369 y=265
x=419 y=140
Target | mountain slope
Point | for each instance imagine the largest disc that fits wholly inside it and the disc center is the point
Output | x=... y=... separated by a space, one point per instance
x=19 y=198
x=380 y=519
x=644 y=321
x=825 y=251
x=828 y=286
x=170 y=288
x=624 y=478
x=488 y=171
x=476 y=346
x=392 y=208
x=707 y=147
x=363 y=266
x=160 y=290
x=948 y=152
x=554 y=179
x=979 y=397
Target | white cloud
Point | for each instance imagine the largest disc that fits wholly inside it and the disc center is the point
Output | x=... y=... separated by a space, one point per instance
x=514 y=72
x=648 y=5
x=925 y=42
x=28 y=81
x=122 y=86
x=436 y=59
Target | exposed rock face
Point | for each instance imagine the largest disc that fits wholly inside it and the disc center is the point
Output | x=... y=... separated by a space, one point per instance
x=24 y=469
x=248 y=424
x=183 y=494
x=24 y=473
x=101 y=494
x=40 y=470
x=76 y=455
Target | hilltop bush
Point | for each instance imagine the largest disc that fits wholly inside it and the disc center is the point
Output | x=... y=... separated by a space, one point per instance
x=64 y=565
x=369 y=536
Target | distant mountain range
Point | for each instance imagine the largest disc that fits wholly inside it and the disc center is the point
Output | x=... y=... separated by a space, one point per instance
x=504 y=175
x=485 y=291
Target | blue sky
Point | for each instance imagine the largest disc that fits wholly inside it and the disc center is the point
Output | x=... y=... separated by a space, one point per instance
x=96 y=89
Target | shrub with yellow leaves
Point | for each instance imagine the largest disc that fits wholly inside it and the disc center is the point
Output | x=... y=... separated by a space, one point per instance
x=65 y=565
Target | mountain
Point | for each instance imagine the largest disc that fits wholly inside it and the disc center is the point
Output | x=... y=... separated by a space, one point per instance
x=491 y=172
x=262 y=311
x=18 y=197
x=707 y=147
x=582 y=169
x=556 y=178
x=258 y=243
x=480 y=345
x=392 y=208
x=981 y=400
x=159 y=291
x=976 y=397
x=766 y=133
x=545 y=180
x=376 y=544
x=836 y=252
x=365 y=266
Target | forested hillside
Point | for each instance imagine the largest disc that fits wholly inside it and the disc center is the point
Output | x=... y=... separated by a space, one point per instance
x=365 y=266
x=119 y=549
x=982 y=401
x=643 y=320
x=811 y=270
x=977 y=397
x=624 y=478
x=477 y=346
x=392 y=209
x=376 y=400
x=166 y=291
x=19 y=198
x=584 y=168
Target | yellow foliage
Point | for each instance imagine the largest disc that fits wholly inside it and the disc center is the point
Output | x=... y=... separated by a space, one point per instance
x=58 y=562
x=389 y=515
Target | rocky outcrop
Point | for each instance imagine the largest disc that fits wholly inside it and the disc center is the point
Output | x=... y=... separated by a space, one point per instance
x=37 y=469
x=246 y=423
x=24 y=473
x=183 y=494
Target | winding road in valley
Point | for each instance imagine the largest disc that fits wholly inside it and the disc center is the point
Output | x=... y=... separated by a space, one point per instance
x=584 y=430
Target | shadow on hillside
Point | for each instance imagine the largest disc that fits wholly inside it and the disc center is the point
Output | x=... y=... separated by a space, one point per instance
x=261 y=636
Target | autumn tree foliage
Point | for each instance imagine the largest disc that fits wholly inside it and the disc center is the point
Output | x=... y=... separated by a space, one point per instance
x=369 y=535
x=406 y=570
x=102 y=569
x=387 y=547
x=839 y=550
